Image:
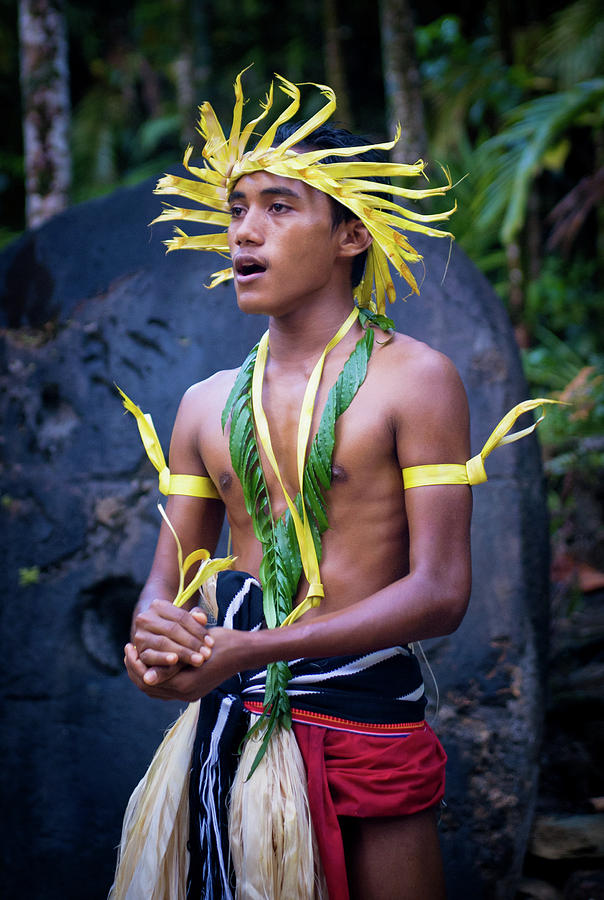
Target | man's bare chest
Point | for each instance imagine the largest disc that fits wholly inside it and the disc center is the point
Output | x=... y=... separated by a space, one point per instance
x=363 y=449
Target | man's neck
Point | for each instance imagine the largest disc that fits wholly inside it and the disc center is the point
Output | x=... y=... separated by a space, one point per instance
x=300 y=336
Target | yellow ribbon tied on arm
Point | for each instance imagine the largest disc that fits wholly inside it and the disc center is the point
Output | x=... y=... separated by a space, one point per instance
x=473 y=472
x=185 y=485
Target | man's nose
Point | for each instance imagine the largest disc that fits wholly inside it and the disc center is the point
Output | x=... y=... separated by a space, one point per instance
x=249 y=228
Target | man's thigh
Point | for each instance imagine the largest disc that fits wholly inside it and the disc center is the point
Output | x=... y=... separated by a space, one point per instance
x=393 y=858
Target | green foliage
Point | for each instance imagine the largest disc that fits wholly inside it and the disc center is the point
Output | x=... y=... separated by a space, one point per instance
x=567 y=300
x=12 y=189
x=525 y=122
x=565 y=310
x=578 y=379
x=29 y=576
x=367 y=316
x=276 y=576
x=508 y=163
x=520 y=115
x=466 y=85
x=572 y=46
x=317 y=473
x=468 y=90
x=572 y=437
x=138 y=71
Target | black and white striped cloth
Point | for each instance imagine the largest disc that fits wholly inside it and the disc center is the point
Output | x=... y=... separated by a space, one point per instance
x=380 y=688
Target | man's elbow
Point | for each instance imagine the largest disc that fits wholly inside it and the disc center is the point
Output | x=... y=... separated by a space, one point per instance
x=454 y=614
x=450 y=607
x=453 y=607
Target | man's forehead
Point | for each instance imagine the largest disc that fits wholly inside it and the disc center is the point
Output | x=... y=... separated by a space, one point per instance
x=267 y=184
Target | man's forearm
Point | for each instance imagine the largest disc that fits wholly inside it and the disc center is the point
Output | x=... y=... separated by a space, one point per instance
x=408 y=610
x=422 y=605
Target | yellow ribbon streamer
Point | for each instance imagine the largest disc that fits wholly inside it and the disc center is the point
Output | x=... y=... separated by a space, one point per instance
x=473 y=472
x=207 y=568
x=310 y=562
x=185 y=485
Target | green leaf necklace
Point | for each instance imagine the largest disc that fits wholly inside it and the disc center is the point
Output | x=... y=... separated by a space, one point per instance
x=292 y=544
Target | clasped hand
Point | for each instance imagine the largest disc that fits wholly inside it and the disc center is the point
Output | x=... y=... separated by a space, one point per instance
x=169 y=645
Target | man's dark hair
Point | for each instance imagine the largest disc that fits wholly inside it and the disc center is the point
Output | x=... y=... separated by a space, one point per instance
x=326 y=137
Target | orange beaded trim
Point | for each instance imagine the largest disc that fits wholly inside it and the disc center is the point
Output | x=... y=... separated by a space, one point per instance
x=337 y=724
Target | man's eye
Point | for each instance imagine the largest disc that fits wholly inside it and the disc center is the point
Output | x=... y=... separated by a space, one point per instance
x=236 y=211
x=279 y=207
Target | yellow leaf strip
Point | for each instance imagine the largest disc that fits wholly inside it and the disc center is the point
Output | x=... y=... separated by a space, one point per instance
x=207 y=568
x=170 y=213
x=185 y=485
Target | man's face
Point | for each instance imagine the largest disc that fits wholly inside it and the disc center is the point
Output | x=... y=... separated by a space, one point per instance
x=283 y=246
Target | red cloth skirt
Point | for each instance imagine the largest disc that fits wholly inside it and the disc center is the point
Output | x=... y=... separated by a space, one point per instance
x=363 y=775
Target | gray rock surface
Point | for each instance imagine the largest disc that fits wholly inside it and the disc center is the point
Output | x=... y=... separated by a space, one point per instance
x=568 y=837
x=566 y=849
x=89 y=299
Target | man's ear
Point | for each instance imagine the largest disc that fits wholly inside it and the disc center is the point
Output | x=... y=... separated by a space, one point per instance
x=354 y=238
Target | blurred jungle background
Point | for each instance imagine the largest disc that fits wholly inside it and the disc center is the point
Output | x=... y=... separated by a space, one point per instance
x=508 y=95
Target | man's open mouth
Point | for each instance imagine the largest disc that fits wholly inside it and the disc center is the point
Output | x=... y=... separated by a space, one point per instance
x=245 y=264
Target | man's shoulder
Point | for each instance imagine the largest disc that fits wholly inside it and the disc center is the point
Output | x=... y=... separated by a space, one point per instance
x=425 y=400
x=415 y=362
x=215 y=388
x=202 y=403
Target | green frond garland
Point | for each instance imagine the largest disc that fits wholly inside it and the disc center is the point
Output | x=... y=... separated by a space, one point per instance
x=281 y=566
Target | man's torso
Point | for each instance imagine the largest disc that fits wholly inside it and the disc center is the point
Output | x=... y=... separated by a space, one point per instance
x=366 y=545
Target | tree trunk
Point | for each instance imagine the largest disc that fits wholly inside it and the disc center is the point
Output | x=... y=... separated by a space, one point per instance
x=46 y=108
x=402 y=81
x=334 y=63
x=192 y=65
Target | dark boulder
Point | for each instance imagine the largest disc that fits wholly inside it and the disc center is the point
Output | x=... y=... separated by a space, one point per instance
x=89 y=299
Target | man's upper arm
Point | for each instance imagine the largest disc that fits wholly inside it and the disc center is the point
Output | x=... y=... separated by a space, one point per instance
x=185 y=455
x=433 y=417
x=196 y=520
x=433 y=428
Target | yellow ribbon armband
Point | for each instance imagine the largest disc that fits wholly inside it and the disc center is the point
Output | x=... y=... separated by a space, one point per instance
x=193 y=486
x=473 y=472
x=185 y=485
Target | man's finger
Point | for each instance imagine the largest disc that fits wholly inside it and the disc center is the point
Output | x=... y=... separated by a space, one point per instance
x=175 y=626
x=152 y=657
x=134 y=665
x=158 y=650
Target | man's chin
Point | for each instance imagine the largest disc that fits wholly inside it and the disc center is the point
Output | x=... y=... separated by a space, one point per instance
x=252 y=306
x=255 y=303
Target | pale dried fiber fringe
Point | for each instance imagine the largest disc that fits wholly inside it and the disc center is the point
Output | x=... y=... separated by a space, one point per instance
x=273 y=845
x=152 y=857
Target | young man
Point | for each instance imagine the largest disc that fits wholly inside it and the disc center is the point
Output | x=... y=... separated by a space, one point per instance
x=394 y=564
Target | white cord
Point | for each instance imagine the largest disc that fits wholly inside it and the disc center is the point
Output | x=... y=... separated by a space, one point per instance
x=429 y=667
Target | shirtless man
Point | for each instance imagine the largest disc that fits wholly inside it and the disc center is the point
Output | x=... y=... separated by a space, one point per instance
x=395 y=565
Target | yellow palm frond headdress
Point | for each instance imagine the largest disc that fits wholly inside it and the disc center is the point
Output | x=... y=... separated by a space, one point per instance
x=226 y=160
